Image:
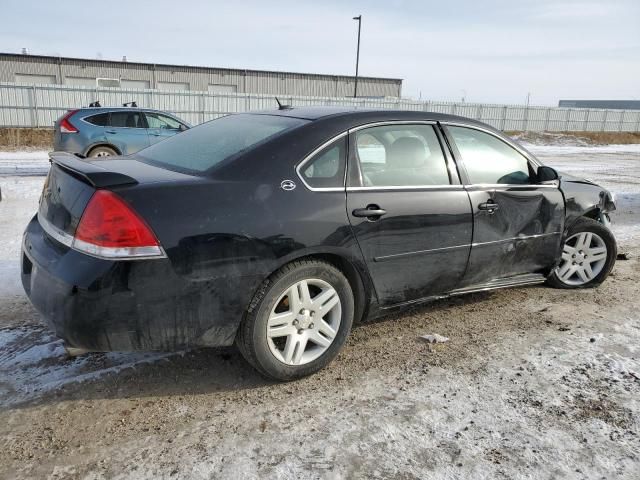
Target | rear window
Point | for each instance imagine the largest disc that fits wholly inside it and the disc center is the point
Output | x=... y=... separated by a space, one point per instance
x=203 y=147
x=126 y=120
x=100 y=120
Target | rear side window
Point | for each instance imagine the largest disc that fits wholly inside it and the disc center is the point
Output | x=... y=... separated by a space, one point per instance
x=326 y=168
x=126 y=120
x=205 y=146
x=400 y=156
x=489 y=160
x=101 y=120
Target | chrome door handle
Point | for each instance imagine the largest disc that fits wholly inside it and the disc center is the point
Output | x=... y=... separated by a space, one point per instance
x=489 y=206
x=110 y=131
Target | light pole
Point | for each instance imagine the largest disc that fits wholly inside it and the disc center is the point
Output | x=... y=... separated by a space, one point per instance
x=355 y=88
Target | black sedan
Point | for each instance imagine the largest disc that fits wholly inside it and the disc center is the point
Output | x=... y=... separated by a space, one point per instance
x=277 y=230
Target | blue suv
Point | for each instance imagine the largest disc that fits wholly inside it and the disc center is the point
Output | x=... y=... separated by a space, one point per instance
x=104 y=132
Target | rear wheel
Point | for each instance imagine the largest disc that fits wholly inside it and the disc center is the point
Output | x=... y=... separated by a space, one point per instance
x=298 y=321
x=588 y=255
x=99 y=152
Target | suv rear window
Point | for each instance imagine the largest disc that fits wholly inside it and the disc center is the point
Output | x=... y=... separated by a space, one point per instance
x=203 y=147
x=126 y=120
x=101 y=120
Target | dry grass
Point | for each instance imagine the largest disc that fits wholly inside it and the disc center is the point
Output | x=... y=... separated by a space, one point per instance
x=26 y=137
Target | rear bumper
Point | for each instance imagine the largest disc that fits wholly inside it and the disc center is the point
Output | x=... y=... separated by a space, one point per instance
x=103 y=305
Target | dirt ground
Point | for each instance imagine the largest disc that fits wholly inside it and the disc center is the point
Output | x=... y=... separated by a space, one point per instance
x=533 y=383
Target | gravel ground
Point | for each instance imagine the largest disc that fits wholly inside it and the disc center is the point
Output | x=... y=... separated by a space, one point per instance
x=534 y=383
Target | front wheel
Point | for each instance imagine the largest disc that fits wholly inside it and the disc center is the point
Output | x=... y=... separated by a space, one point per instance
x=588 y=255
x=298 y=321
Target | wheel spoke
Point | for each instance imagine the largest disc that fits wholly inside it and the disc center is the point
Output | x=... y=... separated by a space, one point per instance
x=294 y=349
x=326 y=329
x=583 y=275
x=281 y=331
x=597 y=253
x=584 y=241
x=587 y=270
x=565 y=271
x=325 y=301
x=320 y=340
x=304 y=294
x=277 y=319
x=295 y=302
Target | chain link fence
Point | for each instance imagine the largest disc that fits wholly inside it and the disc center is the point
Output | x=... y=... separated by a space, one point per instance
x=40 y=105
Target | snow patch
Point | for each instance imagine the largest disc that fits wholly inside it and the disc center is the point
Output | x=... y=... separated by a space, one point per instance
x=33 y=362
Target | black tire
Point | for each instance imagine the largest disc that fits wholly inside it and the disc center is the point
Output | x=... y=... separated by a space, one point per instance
x=589 y=225
x=102 y=151
x=252 y=334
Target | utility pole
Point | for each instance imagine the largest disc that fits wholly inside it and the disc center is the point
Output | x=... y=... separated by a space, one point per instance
x=355 y=88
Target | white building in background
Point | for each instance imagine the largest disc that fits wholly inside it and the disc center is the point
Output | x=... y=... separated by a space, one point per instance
x=40 y=69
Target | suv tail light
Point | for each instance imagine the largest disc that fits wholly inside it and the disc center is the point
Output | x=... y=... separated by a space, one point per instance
x=109 y=228
x=65 y=124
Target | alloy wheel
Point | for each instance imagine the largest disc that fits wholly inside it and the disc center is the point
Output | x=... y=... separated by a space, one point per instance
x=583 y=257
x=304 y=322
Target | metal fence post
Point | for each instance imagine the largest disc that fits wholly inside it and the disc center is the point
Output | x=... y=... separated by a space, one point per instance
x=638 y=122
x=202 y=105
x=604 y=120
x=621 y=120
x=504 y=118
x=34 y=102
x=546 y=120
x=525 y=121
x=585 y=124
x=566 y=126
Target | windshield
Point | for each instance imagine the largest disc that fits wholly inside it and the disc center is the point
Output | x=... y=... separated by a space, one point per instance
x=203 y=147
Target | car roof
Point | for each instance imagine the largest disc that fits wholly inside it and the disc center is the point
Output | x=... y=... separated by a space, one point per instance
x=123 y=109
x=356 y=114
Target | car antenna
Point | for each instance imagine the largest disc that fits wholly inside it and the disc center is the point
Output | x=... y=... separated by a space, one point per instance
x=130 y=104
x=282 y=106
x=95 y=104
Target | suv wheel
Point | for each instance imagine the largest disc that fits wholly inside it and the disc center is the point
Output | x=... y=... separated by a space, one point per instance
x=99 y=152
x=298 y=321
x=588 y=255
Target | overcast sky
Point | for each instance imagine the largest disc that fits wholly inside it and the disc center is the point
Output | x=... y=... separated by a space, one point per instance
x=485 y=50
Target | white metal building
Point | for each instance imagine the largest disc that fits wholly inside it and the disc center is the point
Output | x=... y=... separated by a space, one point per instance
x=46 y=70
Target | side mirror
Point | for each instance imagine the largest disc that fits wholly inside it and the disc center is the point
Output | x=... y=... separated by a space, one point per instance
x=182 y=127
x=547 y=174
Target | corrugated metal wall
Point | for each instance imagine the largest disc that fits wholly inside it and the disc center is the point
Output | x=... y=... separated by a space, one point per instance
x=40 y=106
x=197 y=78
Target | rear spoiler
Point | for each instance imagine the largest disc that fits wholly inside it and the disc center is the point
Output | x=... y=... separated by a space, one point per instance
x=90 y=171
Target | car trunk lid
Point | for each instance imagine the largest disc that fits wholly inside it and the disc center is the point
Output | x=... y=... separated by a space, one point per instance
x=72 y=182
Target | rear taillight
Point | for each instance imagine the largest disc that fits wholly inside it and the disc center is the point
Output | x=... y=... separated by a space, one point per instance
x=65 y=124
x=109 y=228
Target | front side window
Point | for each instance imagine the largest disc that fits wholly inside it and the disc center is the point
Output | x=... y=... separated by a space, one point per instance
x=126 y=120
x=156 y=120
x=489 y=160
x=203 y=147
x=400 y=155
x=326 y=168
